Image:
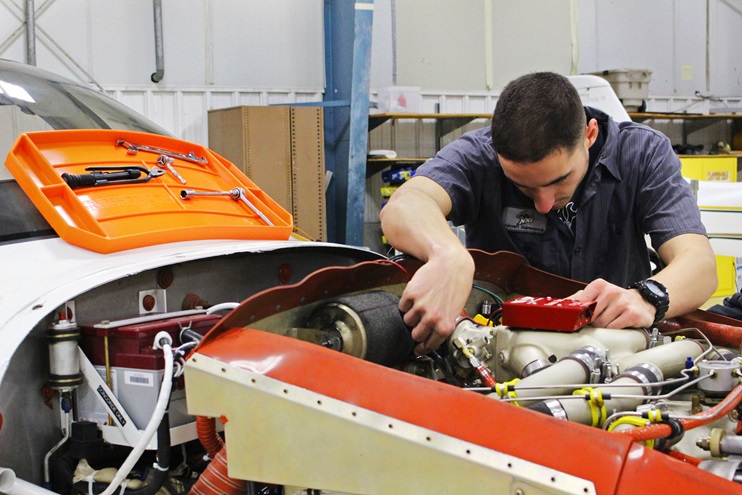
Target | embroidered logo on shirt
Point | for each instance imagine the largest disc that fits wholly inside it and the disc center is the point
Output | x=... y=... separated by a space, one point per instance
x=523 y=220
x=567 y=214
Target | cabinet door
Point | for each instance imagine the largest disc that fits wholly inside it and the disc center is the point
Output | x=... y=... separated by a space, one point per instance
x=722 y=168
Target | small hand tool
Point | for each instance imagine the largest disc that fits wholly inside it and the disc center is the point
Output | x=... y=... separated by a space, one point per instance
x=237 y=194
x=166 y=161
x=111 y=175
x=133 y=149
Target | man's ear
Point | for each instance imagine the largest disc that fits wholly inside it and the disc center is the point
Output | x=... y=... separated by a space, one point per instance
x=591 y=132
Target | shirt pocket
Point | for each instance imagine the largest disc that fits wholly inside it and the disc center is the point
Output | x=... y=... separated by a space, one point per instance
x=541 y=251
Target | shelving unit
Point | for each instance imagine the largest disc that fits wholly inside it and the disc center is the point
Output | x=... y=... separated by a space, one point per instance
x=691 y=121
x=446 y=123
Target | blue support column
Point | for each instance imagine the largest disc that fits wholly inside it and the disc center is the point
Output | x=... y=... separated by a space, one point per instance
x=348 y=30
x=359 y=123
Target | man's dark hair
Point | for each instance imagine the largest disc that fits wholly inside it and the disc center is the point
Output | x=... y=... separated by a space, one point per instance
x=536 y=115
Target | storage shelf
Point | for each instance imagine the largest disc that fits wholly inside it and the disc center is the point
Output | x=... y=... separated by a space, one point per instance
x=691 y=121
x=394 y=160
x=683 y=116
x=445 y=122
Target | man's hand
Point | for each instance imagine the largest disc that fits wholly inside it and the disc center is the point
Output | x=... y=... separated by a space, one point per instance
x=617 y=307
x=435 y=297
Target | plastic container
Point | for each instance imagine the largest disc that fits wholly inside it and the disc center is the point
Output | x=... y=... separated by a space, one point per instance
x=631 y=86
x=400 y=99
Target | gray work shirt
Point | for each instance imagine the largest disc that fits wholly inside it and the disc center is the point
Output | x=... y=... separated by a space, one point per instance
x=632 y=188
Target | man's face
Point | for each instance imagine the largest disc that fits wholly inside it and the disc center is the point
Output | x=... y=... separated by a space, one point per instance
x=552 y=182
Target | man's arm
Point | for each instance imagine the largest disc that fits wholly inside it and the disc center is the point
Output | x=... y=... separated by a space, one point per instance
x=414 y=222
x=689 y=275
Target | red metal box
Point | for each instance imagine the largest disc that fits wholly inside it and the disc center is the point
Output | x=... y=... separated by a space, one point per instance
x=547 y=313
x=131 y=346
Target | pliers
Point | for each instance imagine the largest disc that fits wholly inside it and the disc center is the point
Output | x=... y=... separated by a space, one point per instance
x=111 y=175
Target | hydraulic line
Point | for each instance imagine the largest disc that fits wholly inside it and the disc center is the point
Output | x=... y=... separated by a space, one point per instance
x=728 y=404
x=11 y=485
x=684 y=457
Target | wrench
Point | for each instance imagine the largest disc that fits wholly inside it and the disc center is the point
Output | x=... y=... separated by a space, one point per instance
x=132 y=149
x=236 y=194
x=165 y=161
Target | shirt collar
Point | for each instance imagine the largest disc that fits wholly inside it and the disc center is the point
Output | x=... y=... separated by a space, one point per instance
x=609 y=128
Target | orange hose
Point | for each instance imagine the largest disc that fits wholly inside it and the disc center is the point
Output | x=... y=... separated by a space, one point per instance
x=659 y=430
x=215 y=480
x=684 y=457
x=207 y=434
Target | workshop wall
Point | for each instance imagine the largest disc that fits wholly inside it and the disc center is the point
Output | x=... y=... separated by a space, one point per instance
x=249 y=43
x=462 y=45
x=459 y=52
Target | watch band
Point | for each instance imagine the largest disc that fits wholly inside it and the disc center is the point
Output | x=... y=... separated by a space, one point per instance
x=655 y=293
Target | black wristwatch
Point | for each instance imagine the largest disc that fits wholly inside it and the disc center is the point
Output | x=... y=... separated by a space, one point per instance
x=656 y=294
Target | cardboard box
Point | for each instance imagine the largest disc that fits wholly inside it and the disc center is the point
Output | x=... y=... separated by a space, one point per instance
x=281 y=149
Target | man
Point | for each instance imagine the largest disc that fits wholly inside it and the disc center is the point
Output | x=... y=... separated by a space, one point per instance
x=568 y=188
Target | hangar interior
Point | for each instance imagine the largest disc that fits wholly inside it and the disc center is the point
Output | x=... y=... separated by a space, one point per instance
x=317 y=111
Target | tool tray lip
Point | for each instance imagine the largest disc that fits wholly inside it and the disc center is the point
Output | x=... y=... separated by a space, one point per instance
x=114 y=217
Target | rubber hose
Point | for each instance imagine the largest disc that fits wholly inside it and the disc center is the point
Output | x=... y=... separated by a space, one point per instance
x=684 y=457
x=659 y=430
x=216 y=481
x=158 y=479
x=207 y=434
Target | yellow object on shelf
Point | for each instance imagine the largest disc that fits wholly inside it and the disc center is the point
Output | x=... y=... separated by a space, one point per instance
x=717 y=167
x=726 y=271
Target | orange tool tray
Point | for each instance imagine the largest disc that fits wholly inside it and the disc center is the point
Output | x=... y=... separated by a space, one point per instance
x=109 y=218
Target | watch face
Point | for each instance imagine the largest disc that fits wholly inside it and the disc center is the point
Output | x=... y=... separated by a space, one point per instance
x=654 y=288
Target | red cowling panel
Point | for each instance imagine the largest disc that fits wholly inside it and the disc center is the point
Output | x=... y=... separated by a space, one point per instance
x=575 y=449
x=612 y=462
x=649 y=471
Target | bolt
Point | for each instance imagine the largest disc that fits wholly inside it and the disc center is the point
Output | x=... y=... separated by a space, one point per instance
x=703 y=443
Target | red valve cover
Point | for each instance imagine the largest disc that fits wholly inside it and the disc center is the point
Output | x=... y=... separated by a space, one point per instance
x=547 y=313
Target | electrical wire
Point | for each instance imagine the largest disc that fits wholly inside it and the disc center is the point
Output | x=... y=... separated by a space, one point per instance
x=161 y=406
x=487 y=291
x=395 y=263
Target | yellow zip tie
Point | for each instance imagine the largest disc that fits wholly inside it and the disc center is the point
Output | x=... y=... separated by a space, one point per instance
x=633 y=421
x=597 y=406
x=504 y=389
x=654 y=416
